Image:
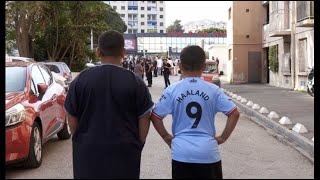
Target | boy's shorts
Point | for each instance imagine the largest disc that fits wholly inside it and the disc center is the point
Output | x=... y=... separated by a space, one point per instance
x=181 y=170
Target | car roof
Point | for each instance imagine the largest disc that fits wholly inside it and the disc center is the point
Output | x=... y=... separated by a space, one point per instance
x=52 y=62
x=18 y=64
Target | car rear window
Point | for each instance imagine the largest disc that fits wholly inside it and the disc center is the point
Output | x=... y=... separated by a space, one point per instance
x=53 y=68
x=15 y=79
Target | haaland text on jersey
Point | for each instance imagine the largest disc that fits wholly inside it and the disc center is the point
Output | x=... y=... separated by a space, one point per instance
x=191 y=93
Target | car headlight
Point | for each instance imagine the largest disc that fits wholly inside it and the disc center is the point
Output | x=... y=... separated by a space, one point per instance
x=15 y=115
x=215 y=78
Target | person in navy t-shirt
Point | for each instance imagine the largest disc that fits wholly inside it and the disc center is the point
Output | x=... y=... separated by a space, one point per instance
x=193 y=104
x=108 y=108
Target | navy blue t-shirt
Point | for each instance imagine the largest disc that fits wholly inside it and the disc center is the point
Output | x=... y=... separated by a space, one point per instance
x=108 y=101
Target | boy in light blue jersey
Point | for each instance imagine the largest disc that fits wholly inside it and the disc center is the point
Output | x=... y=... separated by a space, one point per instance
x=193 y=104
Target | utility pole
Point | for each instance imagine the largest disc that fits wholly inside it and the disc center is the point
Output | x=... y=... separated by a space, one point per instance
x=91 y=39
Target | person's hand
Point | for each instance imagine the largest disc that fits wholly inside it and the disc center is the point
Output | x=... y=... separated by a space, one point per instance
x=220 y=140
x=168 y=139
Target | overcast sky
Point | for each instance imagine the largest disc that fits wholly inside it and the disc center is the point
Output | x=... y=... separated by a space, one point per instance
x=196 y=10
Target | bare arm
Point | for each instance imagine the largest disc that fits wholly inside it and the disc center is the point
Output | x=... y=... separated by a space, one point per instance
x=73 y=122
x=144 y=125
x=231 y=123
x=159 y=126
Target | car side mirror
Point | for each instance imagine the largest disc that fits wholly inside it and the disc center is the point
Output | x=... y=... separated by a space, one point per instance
x=42 y=88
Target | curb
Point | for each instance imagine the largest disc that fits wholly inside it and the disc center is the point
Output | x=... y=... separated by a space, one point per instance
x=304 y=143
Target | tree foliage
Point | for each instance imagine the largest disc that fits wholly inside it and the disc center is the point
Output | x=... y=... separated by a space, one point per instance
x=59 y=30
x=212 y=29
x=273 y=58
x=175 y=27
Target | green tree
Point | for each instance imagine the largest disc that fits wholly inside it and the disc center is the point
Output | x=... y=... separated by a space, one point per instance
x=175 y=27
x=151 y=31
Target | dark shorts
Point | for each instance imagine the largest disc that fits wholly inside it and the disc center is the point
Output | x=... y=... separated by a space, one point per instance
x=181 y=170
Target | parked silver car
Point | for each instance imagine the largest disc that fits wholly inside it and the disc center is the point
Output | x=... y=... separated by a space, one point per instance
x=60 y=68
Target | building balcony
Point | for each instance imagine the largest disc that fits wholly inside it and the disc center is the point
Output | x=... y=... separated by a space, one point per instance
x=305 y=13
x=279 y=24
x=149 y=4
x=152 y=12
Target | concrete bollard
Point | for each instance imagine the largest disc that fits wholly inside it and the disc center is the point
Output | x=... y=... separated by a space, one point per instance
x=255 y=106
x=273 y=115
x=250 y=103
x=234 y=96
x=299 y=128
x=231 y=94
x=263 y=110
x=244 y=100
x=239 y=98
x=285 y=120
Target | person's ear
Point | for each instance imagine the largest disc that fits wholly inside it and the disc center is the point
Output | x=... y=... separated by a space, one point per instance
x=98 y=52
x=123 y=53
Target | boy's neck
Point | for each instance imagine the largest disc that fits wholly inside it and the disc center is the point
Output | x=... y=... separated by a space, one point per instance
x=111 y=60
x=192 y=74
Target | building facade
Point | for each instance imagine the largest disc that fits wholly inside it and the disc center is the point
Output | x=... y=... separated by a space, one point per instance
x=288 y=26
x=141 y=16
x=281 y=31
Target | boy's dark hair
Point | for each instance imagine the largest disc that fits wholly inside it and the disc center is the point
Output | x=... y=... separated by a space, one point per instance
x=192 y=58
x=111 y=43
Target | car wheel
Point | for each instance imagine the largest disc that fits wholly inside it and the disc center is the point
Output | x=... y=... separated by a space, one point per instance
x=35 y=150
x=65 y=132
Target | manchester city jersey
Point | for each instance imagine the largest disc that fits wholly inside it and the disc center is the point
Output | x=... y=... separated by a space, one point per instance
x=193 y=104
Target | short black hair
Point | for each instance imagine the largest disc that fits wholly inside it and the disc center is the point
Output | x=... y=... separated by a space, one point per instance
x=111 y=43
x=192 y=58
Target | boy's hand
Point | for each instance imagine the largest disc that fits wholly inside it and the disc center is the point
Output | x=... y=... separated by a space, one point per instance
x=220 y=140
x=168 y=139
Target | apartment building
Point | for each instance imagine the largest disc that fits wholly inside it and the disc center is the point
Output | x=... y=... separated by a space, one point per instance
x=289 y=28
x=195 y=26
x=244 y=29
x=141 y=16
x=263 y=31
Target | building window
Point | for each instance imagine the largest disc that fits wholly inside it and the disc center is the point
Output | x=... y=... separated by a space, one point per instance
x=149 y=8
x=267 y=16
x=130 y=31
x=114 y=7
x=123 y=8
x=229 y=12
x=142 y=8
x=161 y=31
x=161 y=9
x=229 y=54
x=302 y=46
x=161 y=16
x=142 y=30
x=153 y=2
x=247 y=10
x=123 y=15
x=161 y=24
x=142 y=23
x=142 y=15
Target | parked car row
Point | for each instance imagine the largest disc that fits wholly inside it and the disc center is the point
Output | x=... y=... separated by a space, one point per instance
x=34 y=109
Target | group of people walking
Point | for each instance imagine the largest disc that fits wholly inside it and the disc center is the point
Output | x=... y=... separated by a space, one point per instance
x=151 y=67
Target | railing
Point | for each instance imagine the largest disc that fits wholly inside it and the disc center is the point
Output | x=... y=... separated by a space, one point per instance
x=305 y=10
x=279 y=20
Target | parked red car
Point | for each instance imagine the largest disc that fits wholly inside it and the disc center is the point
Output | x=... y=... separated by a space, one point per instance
x=34 y=112
x=210 y=74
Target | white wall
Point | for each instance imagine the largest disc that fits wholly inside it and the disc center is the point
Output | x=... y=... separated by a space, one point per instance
x=220 y=51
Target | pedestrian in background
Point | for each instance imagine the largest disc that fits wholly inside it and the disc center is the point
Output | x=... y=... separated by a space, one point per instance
x=149 y=70
x=108 y=109
x=155 y=68
x=193 y=104
x=217 y=64
x=166 y=72
x=125 y=64
x=138 y=69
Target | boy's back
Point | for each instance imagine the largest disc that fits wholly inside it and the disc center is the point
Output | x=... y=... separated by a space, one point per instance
x=193 y=104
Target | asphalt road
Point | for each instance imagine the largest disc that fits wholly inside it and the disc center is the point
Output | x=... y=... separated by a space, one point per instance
x=250 y=152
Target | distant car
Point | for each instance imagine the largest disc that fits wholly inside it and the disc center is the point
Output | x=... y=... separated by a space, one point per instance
x=93 y=64
x=60 y=68
x=34 y=112
x=210 y=74
x=19 y=59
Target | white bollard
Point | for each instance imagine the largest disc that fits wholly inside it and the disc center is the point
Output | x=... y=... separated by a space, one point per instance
x=231 y=94
x=250 y=103
x=235 y=96
x=239 y=98
x=299 y=128
x=263 y=110
x=273 y=115
x=285 y=120
x=313 y=139
x=244 y=100
x=256 y=106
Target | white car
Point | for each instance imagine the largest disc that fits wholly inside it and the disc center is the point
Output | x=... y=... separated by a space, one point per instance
x=19 y=59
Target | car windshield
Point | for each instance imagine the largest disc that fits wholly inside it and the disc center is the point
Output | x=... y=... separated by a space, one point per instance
x=210 y=68
x=66 y=68
x=15 y=79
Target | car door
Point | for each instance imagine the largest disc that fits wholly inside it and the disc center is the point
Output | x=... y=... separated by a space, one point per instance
x=45 y=108
x=52 y=94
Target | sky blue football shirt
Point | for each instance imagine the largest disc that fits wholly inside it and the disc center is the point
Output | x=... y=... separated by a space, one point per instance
x=193 y=104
